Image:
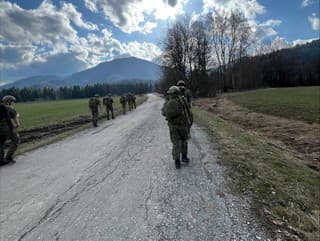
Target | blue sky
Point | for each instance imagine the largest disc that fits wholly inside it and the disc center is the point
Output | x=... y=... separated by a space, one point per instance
x=64 y=36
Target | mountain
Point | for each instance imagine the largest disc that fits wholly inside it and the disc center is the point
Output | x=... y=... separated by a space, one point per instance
x=118 y=70
x=34 y=81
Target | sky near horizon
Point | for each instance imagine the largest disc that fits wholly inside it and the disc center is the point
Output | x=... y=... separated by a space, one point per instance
x=60 y=37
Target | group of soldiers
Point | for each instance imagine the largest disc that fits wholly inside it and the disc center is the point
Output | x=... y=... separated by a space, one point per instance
x=107 y=101
x=177 y=110
x=9 y=124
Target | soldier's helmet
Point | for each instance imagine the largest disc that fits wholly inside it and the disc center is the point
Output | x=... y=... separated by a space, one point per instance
x=7 y=98
x=173 y=90
x=96 y=95
x=109 y=94
x=181 y=83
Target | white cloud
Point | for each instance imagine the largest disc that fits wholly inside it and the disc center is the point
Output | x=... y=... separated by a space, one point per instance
x=249 y=8
x=135 y=15
x=306 y=3
x=265 y=29
x=76 y=17
x=302 y=41
x=314 y=21
x=280 y=43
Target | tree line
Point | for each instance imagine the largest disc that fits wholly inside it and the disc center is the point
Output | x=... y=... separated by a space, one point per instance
x=215 y=54
x=76 y=92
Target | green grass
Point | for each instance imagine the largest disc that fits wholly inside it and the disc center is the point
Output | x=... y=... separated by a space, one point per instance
x=299 y=103
x=275 y=179
x=38 y=114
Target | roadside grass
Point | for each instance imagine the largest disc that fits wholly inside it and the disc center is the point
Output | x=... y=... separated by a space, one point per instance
x=299 y=103
x=39 y=114
x=279 y=183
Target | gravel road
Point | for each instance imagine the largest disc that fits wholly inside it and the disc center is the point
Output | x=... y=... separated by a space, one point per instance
x=118 y=182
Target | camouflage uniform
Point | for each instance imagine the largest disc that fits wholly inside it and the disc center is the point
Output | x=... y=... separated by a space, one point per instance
x=129 y=100
x=134 y=102
x=8 y=131
x=123 y=102
x=108 y=102
x=94 y=105
x=178 y=122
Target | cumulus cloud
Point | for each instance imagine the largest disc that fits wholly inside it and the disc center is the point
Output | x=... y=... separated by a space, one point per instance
x=314 y=21
x=134 y=15
x=71 y=12
x=306 y=3
x=249 y=8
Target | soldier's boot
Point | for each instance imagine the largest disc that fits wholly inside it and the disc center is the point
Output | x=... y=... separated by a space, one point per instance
x=177 y=163
x=9 y=159
x=185 y=158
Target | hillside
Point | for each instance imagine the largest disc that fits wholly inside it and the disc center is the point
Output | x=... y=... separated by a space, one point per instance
x=118 y=70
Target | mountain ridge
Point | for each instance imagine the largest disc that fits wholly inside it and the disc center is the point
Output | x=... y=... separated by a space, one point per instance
x=118 y=70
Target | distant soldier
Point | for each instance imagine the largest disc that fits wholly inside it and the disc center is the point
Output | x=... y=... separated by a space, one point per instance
x=134 y=102
x=186 y=93
x=95 y=105
x=129 y=101
x=108 y=103
x=123 y=102
x=179 y=120
x=9 y=123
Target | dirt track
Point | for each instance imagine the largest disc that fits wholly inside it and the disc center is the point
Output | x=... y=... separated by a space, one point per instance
x=118 y=182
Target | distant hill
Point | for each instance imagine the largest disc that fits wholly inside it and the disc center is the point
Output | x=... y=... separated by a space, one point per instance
x=34 y=81
x=118 y=70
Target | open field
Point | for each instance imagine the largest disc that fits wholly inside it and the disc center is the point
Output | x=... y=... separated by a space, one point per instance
x=39 y=114
x=46 y=122
x=299 y=103
x=284 y=189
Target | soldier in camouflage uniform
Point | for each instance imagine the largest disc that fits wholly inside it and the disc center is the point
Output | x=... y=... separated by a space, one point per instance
x=134 y=102
x=123 y=103
x=9 y=123
x=95 y=105
x=186 y=93
x=129 y=101
x=108 y=103
x=178 y=121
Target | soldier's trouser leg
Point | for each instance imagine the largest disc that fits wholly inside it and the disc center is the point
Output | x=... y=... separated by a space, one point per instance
x=184 y=147
x=3 y=139
x=123 y=109
x=134 y=105
x=176 y=143
x=15 y=140
x=95 y=117
x=111 y=109
x=107 y=110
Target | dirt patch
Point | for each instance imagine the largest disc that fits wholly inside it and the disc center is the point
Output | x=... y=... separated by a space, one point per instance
x=300 y=138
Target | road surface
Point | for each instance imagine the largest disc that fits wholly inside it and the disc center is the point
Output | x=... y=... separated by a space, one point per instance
x=118 y=182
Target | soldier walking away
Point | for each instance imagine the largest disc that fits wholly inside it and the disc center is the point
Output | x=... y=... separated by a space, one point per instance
x=123 y=103
x=9 y=124
x=94 y=105
x=186 y=93
x=129 y=100
x=178 y=122
x=108 y=103
x=134 y=102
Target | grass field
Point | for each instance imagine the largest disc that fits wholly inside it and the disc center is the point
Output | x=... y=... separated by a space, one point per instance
x=299 y=103
x=278 y=182
x=38 y=114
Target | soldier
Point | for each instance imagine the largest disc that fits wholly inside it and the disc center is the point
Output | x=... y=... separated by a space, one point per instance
x=95 y=105
x=108 y=102
x=123 y=102
x=184 y=91
x=178 y=121
x=129 y=100
x=8 y=130
x=134 y=102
